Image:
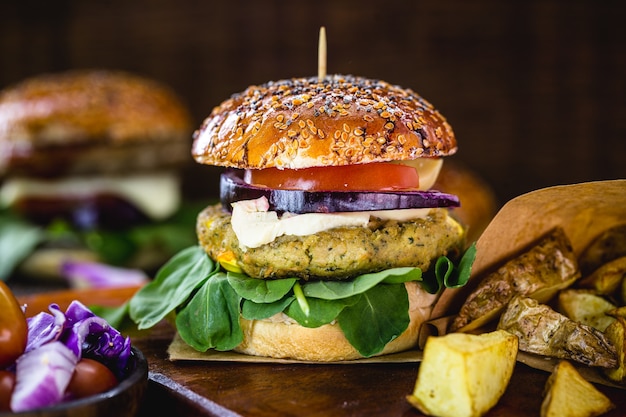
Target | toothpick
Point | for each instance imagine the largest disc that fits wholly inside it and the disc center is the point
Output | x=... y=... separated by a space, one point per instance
x=321 y=54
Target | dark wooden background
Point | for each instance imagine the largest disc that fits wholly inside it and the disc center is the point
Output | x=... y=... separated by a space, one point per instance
x=535 y=90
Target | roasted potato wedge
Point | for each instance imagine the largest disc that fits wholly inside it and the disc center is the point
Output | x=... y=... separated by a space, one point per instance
x=543 y=331
x=540 y=272
x=586 y=307
x=464 y=375
x=616 y=333
x=567 y=393
x=608 y=278
x=617 y=312
x=609 y=245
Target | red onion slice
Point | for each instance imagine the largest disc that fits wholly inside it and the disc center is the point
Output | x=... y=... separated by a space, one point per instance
x=233 y=188
x=41 y=377
x=98 y=275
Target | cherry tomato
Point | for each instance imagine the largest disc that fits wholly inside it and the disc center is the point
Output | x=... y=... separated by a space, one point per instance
x=13 y=327
x=7 y=382
x=90 y=377
x=376 y=176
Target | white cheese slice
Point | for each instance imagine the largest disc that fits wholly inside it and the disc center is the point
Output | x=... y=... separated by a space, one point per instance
x=158 y=195
x=254 y=225
x=427 y=170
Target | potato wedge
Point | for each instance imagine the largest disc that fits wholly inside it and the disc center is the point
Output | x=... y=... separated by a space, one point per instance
x=567 y=393
x=543 y=331
x=609 y=245
x=540 y=272
x=616 y=333
x=464 y=375
x=617 y=312
x=608 y=278
x=586 y=307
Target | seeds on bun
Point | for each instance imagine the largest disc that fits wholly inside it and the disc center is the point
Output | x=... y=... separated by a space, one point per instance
x=307 y=122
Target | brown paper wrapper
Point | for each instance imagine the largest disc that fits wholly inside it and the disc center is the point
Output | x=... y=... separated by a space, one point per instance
x=582 y=210
x=179 y=350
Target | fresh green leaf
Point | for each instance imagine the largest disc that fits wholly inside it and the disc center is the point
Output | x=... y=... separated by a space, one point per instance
x=334 y=290
x=211 y=319
x=445 y=274
x=173 y=285
x=259 y=311
x=401 y=275
x=301 y=299
x=18 y=239
x=380 y=315
x=113 y=247
x=160 y=239
x=320 y=311
x=260 y=290
x=462 y=272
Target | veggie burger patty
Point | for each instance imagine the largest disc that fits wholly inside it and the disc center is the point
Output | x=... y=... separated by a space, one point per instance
x=338 y=253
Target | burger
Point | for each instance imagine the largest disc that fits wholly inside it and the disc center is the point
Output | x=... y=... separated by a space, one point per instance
x=328 y=242
x=86 y=157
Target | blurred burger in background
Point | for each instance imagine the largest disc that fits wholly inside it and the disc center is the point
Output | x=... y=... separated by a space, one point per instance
x=479 y=202
x=90 y=164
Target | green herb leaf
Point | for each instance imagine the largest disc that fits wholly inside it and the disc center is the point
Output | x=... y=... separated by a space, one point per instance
x=172 y=286
x=260 y=290
x=259 y=311
x=18 y=239
x=211 y=319
x=320 y=311
x=380 y=315
x=462 y=272
x=334 y=290
x=445 y=274
x=301 y=299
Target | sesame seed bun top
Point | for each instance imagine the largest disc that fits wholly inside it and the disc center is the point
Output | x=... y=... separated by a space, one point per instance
x=305 y=122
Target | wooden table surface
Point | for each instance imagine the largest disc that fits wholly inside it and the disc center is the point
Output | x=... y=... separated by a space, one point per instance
x=192 y=388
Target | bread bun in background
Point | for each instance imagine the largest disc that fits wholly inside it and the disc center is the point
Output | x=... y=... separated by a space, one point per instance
x=86 y=122
x=479 y=203
x=96 y=149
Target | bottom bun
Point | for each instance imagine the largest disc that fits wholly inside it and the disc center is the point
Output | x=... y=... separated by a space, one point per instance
x=284 y=338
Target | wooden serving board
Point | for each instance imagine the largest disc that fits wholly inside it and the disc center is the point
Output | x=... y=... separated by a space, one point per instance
x=201 y=388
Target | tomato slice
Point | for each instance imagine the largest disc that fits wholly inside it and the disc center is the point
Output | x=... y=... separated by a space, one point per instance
x=378 y=176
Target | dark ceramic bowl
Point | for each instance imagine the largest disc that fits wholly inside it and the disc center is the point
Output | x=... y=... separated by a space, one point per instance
x=122 y=401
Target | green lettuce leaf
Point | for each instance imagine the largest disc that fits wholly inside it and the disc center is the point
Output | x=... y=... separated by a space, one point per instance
x=380 y=315
x=211 y=319
x=320 y=311
x=172 y=286
x=259 y=311
x=445 y=274
x=17 y=240
x=333 y=290
x=260 y=290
